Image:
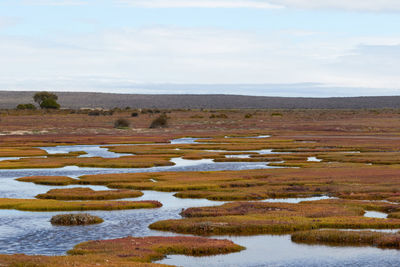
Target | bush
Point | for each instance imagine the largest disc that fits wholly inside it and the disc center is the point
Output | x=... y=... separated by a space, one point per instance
x=160 y=122
x=134 y=114
x=248 y=116
x=26 y=106
x=147 y=111
x=94 y=113
x=196 y=117
x=49 y=103
x=219 y=116
x=121 y=123
x=75 y=219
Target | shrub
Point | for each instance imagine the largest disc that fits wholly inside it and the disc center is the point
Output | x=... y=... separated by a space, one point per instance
x=160 y=122
x=248 y=116
x=49 y=103
x=75 y=219
x=219 y=116
x=196 y=117
x=94 y=113
x=26 y=106
x=109 y=112
x=121 y=123
x=134 y=114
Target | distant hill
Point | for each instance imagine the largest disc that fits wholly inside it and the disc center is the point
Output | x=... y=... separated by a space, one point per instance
x=75 y=100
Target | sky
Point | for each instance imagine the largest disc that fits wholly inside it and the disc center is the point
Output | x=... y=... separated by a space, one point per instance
x=257 y=47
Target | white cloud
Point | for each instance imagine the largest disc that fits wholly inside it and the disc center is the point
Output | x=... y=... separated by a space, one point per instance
x=200 y=4
x=367 y=5
x=6 y=22
x=358 y=5
x=56 y=2
x=124 y=58
x=351 y=5
x=369 y=66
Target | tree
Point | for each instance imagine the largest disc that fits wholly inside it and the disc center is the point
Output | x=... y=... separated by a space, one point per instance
x=49 y=103
x=46 y=100
x=41 y=96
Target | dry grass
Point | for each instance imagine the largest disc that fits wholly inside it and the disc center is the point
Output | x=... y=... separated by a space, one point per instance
x=21 y=152
x=88 y=194
x=249 y=218
x=146 y=161
x=48 y=180
x=348 y=238
x=75 y=219
x=56 y=205
x=129 y=251
x=340 y=180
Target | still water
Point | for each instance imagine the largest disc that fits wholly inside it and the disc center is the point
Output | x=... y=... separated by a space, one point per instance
x=32 y=233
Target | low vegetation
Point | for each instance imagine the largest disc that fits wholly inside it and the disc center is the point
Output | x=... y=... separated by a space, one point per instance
x=250 y=218
x=121 y=123
x=26 y=106
x=56 y=205
x=159 y=122
x=75 y=219
x=142 y=161
x=360 y=166
x=348 y=238
x=88 y=194
x=21 y=152
x=128 y=251
x=48 y=180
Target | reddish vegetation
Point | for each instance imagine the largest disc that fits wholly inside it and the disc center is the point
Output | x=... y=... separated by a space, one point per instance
x=250 y=218
x=129 y=251
x=56 y=205
x=48 y=180
x=326 y=135
x=348 y=238
x=88 y=194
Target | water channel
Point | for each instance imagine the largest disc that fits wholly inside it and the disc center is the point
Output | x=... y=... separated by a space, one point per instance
x=31 y=232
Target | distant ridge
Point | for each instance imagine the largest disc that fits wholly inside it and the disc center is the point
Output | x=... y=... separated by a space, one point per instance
x=10 y=99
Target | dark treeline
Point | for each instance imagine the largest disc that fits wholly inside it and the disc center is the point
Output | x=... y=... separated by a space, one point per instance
x=76 y=100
